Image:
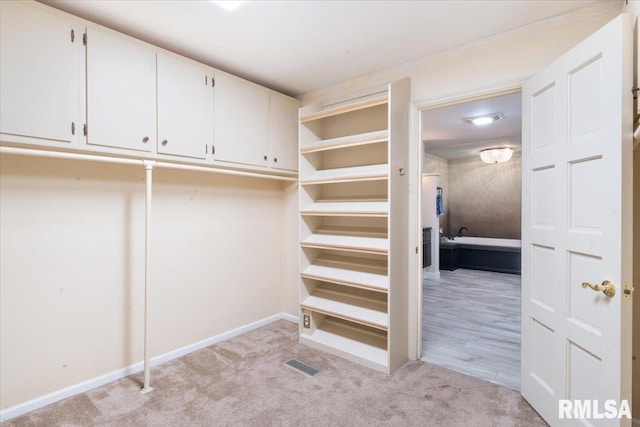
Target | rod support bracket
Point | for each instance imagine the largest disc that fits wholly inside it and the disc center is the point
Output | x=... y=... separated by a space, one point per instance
x=149 y=164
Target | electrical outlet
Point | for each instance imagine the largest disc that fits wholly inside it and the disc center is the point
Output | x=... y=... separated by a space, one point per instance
x=306 y=321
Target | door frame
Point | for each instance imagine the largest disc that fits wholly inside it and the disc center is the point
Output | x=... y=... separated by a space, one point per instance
x=415 y=221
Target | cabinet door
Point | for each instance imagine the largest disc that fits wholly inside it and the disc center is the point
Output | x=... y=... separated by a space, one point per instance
x=241 y=122
x=283 y=133
x=121 y=91
x=41 y=79
x=185 y=107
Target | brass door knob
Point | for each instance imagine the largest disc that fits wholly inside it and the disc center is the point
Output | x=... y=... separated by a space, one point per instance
x=607 y=288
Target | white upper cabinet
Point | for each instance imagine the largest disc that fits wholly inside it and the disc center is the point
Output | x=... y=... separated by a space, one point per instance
x=66 y=81
x=241 y=122
x=121 y=91
x=185 y=107
x=41 y=74
x=283 y=133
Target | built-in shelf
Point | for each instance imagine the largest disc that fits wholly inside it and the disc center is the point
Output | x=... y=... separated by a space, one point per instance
x=347 y=141
x=353 y=286
x=349 y=273
x=350 y=174
x=340 y=337
x=369 y=245
x=345 y=108
x=373 y=208
x=348 y=306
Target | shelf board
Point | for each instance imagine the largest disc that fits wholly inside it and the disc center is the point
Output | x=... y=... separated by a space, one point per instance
x=369 y=208
x=348 y=275
x=356 y=309
x=342 y=109
x=347 y=141
x=354 y=231
x=351 y=174
x=368 y=245
x=351 y=342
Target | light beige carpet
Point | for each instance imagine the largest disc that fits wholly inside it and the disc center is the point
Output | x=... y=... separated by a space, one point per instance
x=243 y=382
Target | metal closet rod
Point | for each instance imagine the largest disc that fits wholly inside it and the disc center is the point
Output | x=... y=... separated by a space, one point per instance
x=137 y=162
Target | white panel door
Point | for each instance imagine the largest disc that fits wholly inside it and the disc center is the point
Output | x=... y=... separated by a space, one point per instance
x=576 y=174
x=241 y=122
x=185 y=107
x=283 y=133
x=121 y=91
x=41 y=74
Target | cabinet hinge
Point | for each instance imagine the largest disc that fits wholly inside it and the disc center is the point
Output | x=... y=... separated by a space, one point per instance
x=84 y=39
x=213 y=82
x=206 y=81
x=73 y=128
x=73 y=36
x=213 y=149
x=206 y=149
x=84 y=129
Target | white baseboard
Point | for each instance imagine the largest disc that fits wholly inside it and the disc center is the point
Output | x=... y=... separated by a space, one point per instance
x=433 y=275
x=47 y=399
x=289 y=317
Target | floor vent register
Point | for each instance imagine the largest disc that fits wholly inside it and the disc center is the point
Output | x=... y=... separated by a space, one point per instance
x=302 y=367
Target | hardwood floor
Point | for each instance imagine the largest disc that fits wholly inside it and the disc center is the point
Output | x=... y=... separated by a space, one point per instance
x=471 y=324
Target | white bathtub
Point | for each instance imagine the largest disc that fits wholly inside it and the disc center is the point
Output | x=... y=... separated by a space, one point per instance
x=486 y=241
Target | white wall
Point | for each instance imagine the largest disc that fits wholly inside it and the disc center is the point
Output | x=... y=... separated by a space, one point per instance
x=290 y=249
x=72 y=266
x=435 y=164
x=486 y=63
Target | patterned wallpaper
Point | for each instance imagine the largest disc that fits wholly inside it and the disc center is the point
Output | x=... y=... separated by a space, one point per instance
x=485 y=198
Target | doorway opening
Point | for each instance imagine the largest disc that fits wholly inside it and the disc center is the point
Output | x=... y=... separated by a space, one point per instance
x=471 y=219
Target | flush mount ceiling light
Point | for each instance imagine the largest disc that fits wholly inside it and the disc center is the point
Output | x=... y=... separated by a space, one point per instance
x=496 y=155
x=484 y=120
x=229 y=5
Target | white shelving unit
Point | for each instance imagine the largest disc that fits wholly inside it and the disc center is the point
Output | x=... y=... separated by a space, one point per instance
x=354 y=227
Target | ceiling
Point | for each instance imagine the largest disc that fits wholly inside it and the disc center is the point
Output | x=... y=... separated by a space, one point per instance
x=447 y=135
x=300 y=46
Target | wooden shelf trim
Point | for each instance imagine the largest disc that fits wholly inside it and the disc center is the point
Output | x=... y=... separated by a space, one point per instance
x=369 y=245
x=348 y=307
x=350 y=174
x=346 y=208
x=342 y=109
x=347 y=141
x=350 y=340
x=348 y=277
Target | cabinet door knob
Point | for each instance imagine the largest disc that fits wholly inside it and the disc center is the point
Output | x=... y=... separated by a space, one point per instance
x=164 y=142
x=145 y=139
x=265 y=157
x=275 y=160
